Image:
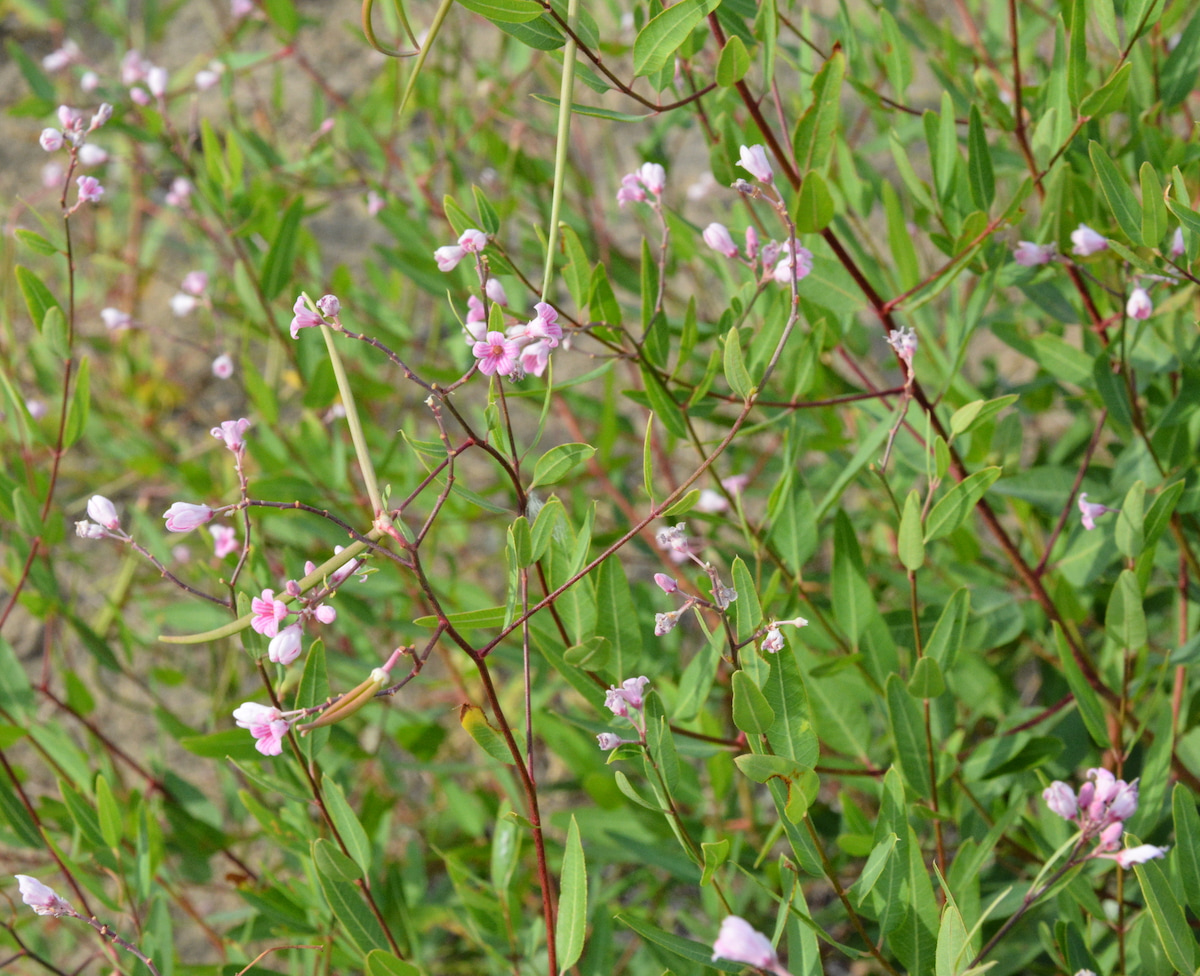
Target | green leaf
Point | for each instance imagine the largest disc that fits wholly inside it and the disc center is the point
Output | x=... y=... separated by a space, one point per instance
x=733 y=63
x=715 y=853
x=487 y=737
x=698 y=953
x=814 y=207
x=1085 y=696
x=380 y=963
x=1167 y=914
x=751 y=710
x=685 y=504
x=1187 y=844
x=312 y=690
x=908 y=731
x=1077 y=52
x=347 y=824
x=746 y=610
x=979 y=162
x=909 y=543
x=572 y=901
x=1121 y=200
x=1110 y=96
x=520 y=542
x=926 y=680
x=576 y=272
x=897 y=54
x=277 y=269
x=617 y=616
x=1178 y=76
x=947 y=637
x=81 y=402
x=38 y=298
x=1125 y=621
x=109 y=813
x=967 y=417
x=13 y=810
x=489 y=220
x=953 y=507
x=952 y=944
x=812 y=139
x=346 y=902
x=330 y=861
x=736 y=374
x=558 y=462
x=1154 y=207
x=35 y=242
x=505 y=11
x=791 y=734
x=1129 y=533
x=665 y=407
x=665 y=34
x=485 y=618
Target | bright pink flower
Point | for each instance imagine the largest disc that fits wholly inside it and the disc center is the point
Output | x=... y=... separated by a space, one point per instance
x=224 y=540
x=653 y=177
x=184 y=516
x=90 y=190
x=231 y=432
x=268 y=612
x=739 y=941
x=1086 y=241
x=285 y=646
x=1089 y=511
x=448 y=256
x=754 y=161
x=717 y=237
x=494 y=290
x=51 y=140
x=41 y=898
x=665 y=583
x=303 y=317
x=266 y=724
x=472 y=241
x=496 y=354
x=101 y=510
x=1030 y=255
x=1139 y=305
x=1110 y=836
x=544 y=325
x=631 y=190
x=630 y=695
x=325 y=613
x=194 y=283
x=535 y=357
x=222 y=366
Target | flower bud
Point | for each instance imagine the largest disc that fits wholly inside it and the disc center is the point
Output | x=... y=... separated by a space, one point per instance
x=184 y=516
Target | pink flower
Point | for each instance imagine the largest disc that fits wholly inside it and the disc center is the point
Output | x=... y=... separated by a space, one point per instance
x=1139 y=305
x=375 y=203
x=710 y=502
x=664 y=623
x=496 y=354
x=1177 y=246
x=64 y=57
x=544 y=325
x=51 y=140
x=285 y=646
x=101 y=510
x=653 y=177
x=222 y=366
x=41 y=898
x=609 y=741
x=631 y=190
x=134 y=68
x=92 y=155
x=447 y=257
x=751 y=242
x=630 y=695
x=268 y=612
x=180 y=192
x=266 y=724
x=240 y=9
x=717 y=237
x=1139 y=855
x=194 y=283
x=325 y=613
x=665 y=583
x=89 y=530
x=494 y=289
x=535 y=357
x=156 y=81
x=329 y=306
x=904 y=342
x=739 y=941
x=303 y=317
x=754 y=161
x=205 y=79
x=342 y=572
x=472 y=241
x=1030 y=255
x=231 y=432
x=1089 y=511
x=139 y=96
x=804 y=264
x=1086 y=241
x=773 y=641
x=90 y=190
x=89 y=81
x=1110 y=836
x=103 y=114
x=1060 y=799
x=184 y=516
x=224 y=540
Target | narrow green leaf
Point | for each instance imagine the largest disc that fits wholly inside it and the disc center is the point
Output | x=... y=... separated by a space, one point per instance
x=1110 y=97
x=81 y=402
x=505 y=11
x=952 y=509
x=1085 y=696
x=572 y=901
x=1115 y=186
x=108 y=812
x=35 y=242
x=1167 y=914
x=665 y=407
x=945 y=156
x=1178 y=76
x=277 y=269
x=38 y=298
x=685 y=504
x=897 y=54
x=520 y=542
x=648 y=458
x=13 y=810
x=733 y=63
x=484 y=618
x=751 y=710
x=1187 y=844
x=544 y=526
x=813 y=139
x=312 y=690
x=908 y=731
x=698 y=953
x=947 y=637
x=761 y=768
x=910 y=545
x=979 y=169
x=486 y=736
x=747 y=612
x=346 y=903
x=380 y=963
x=1129 y=532
x=926 y=680
x=736 y=374
x=1125 y=621
x=1154 y=207
x=331 y=862
x=1077 y=53
x=489 y=220
x=952 y=944
x=792 y=733
x=665 y=34
x=617 y=616
x=347 y=824
x=900 y=241
x=558 y=462
x=576 y=271
x=814 y=208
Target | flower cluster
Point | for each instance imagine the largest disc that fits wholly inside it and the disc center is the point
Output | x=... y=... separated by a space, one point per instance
x=1100 y=810
x=72 y=133
x=267 y=724
x=648 y=178
x=303 y=317
x=626 y=702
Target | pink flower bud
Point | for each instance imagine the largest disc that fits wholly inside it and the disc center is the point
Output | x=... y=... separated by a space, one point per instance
x=754 y=161
x=101 y=510
x=222 y=366
x=329 y=306
x=751 y=242
x=92 y=155
x=89 y=81
x=1086 y=241
x=184 y=516
x=495 y=291
x=653 y=177
x=1139 y=305
x=42 y=899
x=103 y=114
x=472 y=241
x=740 y=942
x=1060 y=799
x=1139 y=855
x=717 y=237
x=285 y=646
x=1030 y=255
x=631 y=190
x=609 y=741
x=1177 y=246
x=139 y=96
x=51 y=140
x=665 y=583
x=1110 y=836
x=232 y=433
x=183 y=304
x=64 y=57
x=206 y=79
x=195 y=283
x=325 y=613
x=156 y=81
x=375 y=203
x=447 y=257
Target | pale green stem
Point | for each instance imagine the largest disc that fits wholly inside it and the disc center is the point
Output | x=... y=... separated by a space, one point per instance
x=424 y=53
x=565 y=96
